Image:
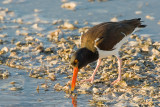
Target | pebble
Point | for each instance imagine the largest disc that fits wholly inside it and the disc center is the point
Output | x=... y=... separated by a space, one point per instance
x=133 y=63
x=68 y=26
x=95 y=90
x=138 y=12
x=29 y=38
x=7 y=1
x=39 y=48
x=1 y=17
x=149 y=17
x=122 y=84
x=114 y=19
x=57 y=22
x=155 y=52
x=69 y=5
x=84 y=88
x=91 y=0
x=146 y=48
x=13 y=82
x=55 y=35
x=36 y=27
x=22 y=32
x=83 y=30
x=52 y=76
x=1 y=41
x=158 y=22
x=102 y=0
x=4 y=74
x=19 y=20
x=5 y=49
x=3 y=35
x=58 y=87
x=139 y=76
x=133 y=43
x=44 y=85
x=15 y=88
x=138 y=99
x=66 y=88
x=37 y=10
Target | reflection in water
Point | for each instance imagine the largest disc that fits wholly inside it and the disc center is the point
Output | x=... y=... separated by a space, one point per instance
x=74 y=101
x=37 y=88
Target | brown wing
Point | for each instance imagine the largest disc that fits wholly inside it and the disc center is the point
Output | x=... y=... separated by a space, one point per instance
x=108 y=34
x=88 y=39
x=113 y=34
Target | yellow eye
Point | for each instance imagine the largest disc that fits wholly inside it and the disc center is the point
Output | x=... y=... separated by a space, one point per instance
x=75 y=61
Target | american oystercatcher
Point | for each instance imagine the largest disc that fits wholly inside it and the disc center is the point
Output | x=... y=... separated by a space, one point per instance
x=101 y=41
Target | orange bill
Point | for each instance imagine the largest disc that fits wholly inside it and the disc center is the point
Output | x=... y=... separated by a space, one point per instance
x=75 y=72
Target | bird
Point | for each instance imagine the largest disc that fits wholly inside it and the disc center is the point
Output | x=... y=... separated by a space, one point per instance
x=100 y=41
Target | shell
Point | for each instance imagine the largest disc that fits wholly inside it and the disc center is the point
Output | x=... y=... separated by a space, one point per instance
x=69 y=5
x=58 y=87
x=15 y=88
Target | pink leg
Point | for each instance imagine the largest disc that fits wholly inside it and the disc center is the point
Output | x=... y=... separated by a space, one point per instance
x=91 y=79
x=119 y=71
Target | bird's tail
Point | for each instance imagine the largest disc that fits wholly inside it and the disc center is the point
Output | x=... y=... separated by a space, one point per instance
x=140 y=23
x=135 y=22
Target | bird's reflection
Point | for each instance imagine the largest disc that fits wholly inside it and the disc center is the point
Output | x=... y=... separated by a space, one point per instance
x=74 y=100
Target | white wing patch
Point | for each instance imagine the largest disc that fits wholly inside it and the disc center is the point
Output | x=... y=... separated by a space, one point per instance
x=136 y=29
x=96 y=40
x=80 y=39
x=124 y=34
x=119 y=44
x=103 y=53
x=116 y=48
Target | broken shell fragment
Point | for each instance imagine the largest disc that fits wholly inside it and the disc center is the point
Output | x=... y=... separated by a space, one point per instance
x=114 y=19
x=68 y=26
x=149 y=17
x=58 y=87
x=51 y=76
x=69 y=5
x=15 y=88
x=36 y=27
x=13 y=82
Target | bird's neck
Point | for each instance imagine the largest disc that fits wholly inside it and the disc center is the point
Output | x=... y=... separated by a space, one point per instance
x=91 y=56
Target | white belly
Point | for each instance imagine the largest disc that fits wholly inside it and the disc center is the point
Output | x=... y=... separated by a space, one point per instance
x=103 y=53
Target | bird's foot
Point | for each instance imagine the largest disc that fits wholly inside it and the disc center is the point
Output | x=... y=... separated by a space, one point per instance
x=91 y=79
x=116 y=81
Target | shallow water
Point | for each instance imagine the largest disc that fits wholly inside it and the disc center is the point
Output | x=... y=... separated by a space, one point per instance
x=29 y=96
x=50 y=10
